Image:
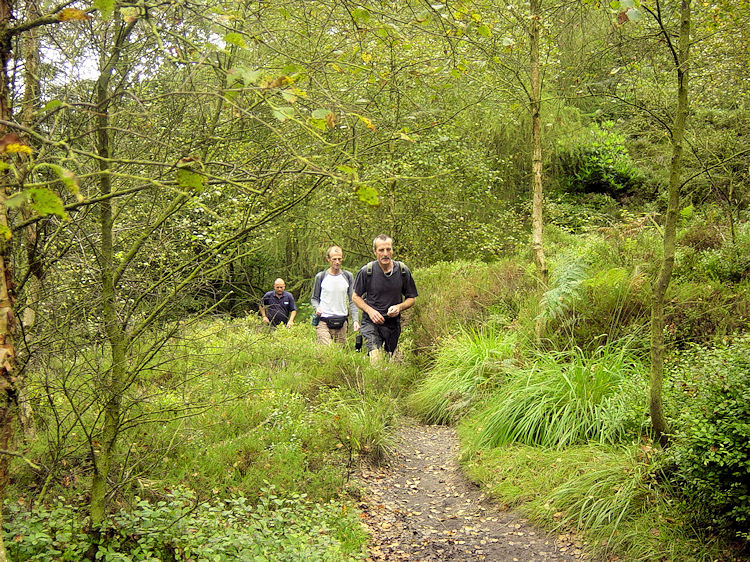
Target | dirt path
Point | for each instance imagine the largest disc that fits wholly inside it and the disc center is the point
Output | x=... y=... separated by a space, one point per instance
x=421 y=507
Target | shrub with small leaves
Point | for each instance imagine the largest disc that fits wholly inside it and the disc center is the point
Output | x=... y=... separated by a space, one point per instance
x=712 y=442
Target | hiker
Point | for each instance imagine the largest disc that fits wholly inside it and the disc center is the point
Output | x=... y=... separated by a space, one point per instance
x=332 y=300
x=383 y=289
x=277 y=306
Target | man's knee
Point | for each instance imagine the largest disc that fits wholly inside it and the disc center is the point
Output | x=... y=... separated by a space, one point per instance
x=376 y=355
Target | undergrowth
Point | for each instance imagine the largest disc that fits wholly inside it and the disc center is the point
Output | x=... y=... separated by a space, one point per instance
x=259 y=427
x=184 y=527
x=567 y=398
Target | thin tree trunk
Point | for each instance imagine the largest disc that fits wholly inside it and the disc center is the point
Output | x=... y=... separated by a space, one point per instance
x=34 y=284
x=7 y=368
x=112 y=385
x=8 y=396
x=536 y=144
x=681 y=57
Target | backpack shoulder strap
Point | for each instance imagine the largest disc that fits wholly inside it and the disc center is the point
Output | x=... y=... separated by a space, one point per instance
x=402 y=268
x=368 y=275
x=318 y=283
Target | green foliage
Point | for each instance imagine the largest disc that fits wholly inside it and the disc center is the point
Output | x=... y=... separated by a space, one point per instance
x=596 y=161
x=581 y=213
x=568 y=398
x=184 y=527
x=590 y=301
x=566 y=280
x=466 y=293
x=467 y=366
x=227 y=406
x=43 y=201
x=711 y=447
x=707 y=253
x=362 y=426
x=613 y=498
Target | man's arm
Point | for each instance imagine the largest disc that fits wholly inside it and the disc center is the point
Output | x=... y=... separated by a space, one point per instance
x=262 y=310
x=374 y=315
x=315 y=297
x=291 y=317
x=397 y=309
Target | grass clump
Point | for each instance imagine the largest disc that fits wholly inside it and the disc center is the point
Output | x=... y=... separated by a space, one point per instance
x=465 y=368
x=567 y=398
x=615 y=499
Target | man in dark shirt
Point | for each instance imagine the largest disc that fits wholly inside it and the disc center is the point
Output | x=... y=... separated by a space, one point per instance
x=383 y=289
x=278 y=306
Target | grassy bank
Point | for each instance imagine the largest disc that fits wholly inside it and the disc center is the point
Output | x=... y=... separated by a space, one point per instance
x=549 y=391
x=239 y=443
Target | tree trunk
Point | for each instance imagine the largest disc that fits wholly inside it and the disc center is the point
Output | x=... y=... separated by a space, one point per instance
x=536 y=144
x=113 y=383
x=8 y=395
x=681 y=58
x=34 y=283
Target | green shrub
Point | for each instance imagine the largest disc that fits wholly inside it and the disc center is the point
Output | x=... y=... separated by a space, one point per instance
x=568 y=398
x=466 y=294
x=706 y=253
x=712 y=439
x=589 y=302
x=596 y=162
x=702 y=311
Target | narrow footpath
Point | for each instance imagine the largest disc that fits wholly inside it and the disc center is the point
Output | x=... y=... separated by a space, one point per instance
x=421 y=507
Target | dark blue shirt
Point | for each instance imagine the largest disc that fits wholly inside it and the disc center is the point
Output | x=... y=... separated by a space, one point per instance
x=278 y=309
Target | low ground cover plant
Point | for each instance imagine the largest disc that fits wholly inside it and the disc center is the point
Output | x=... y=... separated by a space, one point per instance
x=182 y=527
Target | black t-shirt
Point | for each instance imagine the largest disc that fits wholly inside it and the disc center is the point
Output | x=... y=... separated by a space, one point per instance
x=382 y=291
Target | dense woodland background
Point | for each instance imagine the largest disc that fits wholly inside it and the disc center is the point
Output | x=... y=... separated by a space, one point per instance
x=567 y=180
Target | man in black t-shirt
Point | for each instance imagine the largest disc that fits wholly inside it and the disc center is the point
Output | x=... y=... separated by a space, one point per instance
x=383 y=289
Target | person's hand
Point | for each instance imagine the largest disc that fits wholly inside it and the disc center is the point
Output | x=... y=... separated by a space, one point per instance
x=394 y=311
x=319 y=311
x=355 y=326
x=266 y=320
x=375 y=316
x=290 y=324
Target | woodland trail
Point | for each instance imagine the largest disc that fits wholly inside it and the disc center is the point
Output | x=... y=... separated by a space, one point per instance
x=420 y=506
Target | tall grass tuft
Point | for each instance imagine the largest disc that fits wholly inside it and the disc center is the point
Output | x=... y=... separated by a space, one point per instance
x=466 y=367
x=568 y=398
x=616 y=498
